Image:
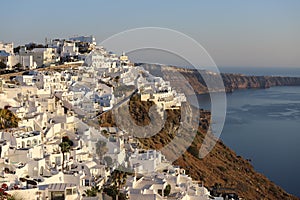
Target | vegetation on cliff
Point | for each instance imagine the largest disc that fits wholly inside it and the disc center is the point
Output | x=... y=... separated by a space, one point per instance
x=8 y=119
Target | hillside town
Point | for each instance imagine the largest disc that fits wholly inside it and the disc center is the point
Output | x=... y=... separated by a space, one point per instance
x=53 y=146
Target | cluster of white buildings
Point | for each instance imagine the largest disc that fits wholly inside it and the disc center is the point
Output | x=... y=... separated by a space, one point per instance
x=10 y=59
x=153 y=88
x=153 y=186
x=53 y=105
x=55 y=51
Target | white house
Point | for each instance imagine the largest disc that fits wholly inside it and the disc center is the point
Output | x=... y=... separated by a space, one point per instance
x=9 y=59
x=7 y=47
x=42 y=56
x=145 y=162
x=28 y=139
x=69 y=49
x=27 y=62
x=89 y=39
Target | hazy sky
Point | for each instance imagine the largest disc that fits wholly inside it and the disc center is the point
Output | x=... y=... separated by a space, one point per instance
x=234 y=32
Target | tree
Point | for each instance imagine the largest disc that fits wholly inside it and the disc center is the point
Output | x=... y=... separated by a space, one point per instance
x=167 y=190
x=117 y=79
x=114 y=193
x=65 y=147
x=91 y=192
x=17 y=49
x=18 y=67
x=119 y=178
x=194 y=151
x=8 y=119
x=111 y=191
x=116 y=181
x=108 y=161
x=2 y=65
x=101 y=149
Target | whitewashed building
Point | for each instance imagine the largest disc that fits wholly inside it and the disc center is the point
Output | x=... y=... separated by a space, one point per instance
x=69 y=49
x=145 y=161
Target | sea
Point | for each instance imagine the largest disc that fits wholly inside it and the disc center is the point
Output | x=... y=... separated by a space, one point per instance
x=263 y=125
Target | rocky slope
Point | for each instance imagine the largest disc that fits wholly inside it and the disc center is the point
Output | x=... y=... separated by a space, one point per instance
x=221 y=167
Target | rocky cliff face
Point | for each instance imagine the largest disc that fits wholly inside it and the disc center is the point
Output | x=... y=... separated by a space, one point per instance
x=231 y=81
x=237 y=81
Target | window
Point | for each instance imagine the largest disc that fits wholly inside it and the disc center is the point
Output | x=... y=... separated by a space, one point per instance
x=74 y=191
x=68 y=191
x=87 y=182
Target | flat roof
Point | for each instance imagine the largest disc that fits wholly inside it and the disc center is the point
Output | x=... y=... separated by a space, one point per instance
x=57 y=186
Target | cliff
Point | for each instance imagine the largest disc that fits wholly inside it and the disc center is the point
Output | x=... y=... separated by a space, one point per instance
x=237 y=81
x=221 y=168
x=231 y=81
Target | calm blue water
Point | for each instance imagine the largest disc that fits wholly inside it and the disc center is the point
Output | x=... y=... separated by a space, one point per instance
x=264 y=125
